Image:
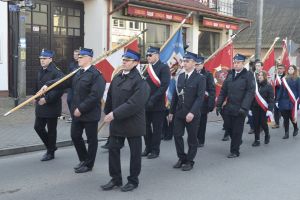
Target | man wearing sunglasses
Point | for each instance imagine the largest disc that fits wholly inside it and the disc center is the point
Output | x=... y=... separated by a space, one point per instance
x=158 y=78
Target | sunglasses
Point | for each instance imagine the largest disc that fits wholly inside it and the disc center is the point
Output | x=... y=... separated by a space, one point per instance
x=149 y=55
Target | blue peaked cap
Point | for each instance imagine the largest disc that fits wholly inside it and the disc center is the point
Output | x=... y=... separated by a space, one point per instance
x=153 y=50
x=200 y=60
x=239 y=57
x=86 y=52
x=46 y=53
x=132 y=55
x=191 y=56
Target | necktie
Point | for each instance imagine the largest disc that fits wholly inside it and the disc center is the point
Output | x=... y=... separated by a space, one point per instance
x=186 y=78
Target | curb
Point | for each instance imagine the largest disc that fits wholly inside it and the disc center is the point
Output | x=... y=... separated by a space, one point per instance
x=38 y=147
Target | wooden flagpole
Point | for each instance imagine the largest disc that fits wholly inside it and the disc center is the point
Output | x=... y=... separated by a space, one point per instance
x=270 y=49
x=38 y=94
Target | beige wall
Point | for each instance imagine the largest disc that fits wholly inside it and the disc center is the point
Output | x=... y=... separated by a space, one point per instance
x=95 y=25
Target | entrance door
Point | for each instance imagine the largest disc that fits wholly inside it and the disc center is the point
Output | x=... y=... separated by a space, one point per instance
x=56 y=26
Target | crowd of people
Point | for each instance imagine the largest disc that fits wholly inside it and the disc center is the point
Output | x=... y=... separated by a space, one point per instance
x=136 y=107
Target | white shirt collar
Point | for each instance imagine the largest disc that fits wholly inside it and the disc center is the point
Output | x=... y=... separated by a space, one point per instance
x=86 y=68
x=189 y=73
x=125 y=72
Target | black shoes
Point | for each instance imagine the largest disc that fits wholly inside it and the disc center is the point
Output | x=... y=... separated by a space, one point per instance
x=233 y=155
x=187 y=167
x=267 y=139
x=225 y=138
x=48 y=156
x=105 y=146
x=111 y=185
x=152 y=156
x=275 y=126
x=128 y=187
x=79 y=165
x=145 y=153
x=200 y=145
x=286 y=135
x=295 y=132
x=178 y=164
x=256 y=143
x=83 y=169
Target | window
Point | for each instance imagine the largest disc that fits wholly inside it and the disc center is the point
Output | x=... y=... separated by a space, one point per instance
x=134 y=25
x=66 y=21
x=208 y=42
x=119 y=23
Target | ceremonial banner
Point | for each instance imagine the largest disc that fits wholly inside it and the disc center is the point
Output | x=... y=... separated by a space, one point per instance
x=219 y=65
x=285 y=55
x=269 y=65
x=108 y=65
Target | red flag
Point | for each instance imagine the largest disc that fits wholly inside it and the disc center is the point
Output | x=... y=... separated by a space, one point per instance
x=285 y=55
x=107 y=65
x=269 y=61
x=219 y=65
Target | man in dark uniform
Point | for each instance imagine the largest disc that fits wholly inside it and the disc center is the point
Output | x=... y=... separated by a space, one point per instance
x=72 y=66
x=186 y=104
x=209 y=100
x=48 y=107
x=280 y=74
x=88 y=87
x=158 y=77
x=239 y=90
x=125 y=110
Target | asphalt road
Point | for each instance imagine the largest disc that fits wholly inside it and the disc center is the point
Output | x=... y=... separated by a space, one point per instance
x=268 y=172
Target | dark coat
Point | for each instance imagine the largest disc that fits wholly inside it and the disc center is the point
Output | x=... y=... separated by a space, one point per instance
x=73 y=66
x=126 y=98
x=239 y=92
x=193 y=97
x=277 y=87
x=52 y=108
x=209 y=101
x=157 y=101
x=88 y=88
x=283 y=99
x=267 y=93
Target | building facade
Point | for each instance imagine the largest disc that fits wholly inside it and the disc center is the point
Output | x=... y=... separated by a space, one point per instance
x=3 y=49
x=65 y=25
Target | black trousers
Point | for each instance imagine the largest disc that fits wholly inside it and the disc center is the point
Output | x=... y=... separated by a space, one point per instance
x=287 y=115
x=260 y=121
x=277 y=115
x=192 y=130
x=47 y=136
x=235 y=126
x=87 y=155
x=202 y=128
x=154 y=125
x=135 y=145
x=167 y=132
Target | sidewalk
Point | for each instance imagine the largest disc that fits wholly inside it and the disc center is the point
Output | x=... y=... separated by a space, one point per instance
x=18 y=135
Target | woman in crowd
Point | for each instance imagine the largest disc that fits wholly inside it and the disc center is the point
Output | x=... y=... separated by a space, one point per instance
x=287 y=99
x=262 y=107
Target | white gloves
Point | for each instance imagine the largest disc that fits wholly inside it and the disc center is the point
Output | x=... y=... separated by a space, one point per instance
x=276 y=104
x=250 y=113
x=268 y=113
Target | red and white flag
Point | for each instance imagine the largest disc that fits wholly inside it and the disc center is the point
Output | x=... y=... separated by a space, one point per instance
x=285 y=55
x=111 y=62
x=219 y=65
